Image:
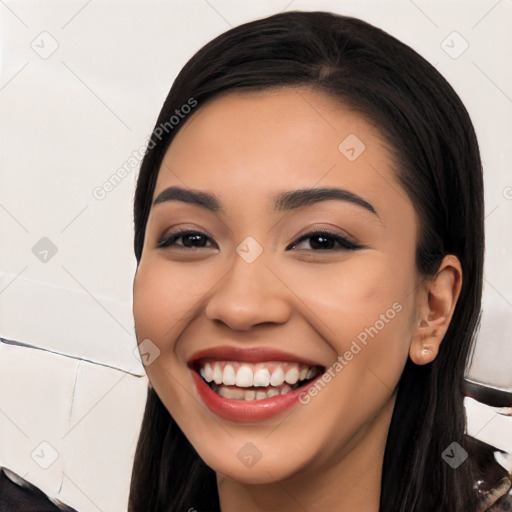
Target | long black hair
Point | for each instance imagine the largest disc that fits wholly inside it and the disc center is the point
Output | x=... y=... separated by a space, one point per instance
x=433 y=141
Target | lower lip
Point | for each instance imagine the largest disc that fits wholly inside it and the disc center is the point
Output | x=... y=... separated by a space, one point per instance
x=244 y=411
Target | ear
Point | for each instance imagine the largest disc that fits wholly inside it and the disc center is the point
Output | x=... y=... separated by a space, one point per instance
x=436 y=299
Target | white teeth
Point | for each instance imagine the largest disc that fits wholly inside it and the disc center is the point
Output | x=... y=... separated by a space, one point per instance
x=261 y=378
x=231 y=393
x=217 y=374
x=277 y=378
x=243 y=377
x=285 y=389
x=249 y=394
x=207 y=372
x=292 y=375
x=228 y=377
x=246 y=381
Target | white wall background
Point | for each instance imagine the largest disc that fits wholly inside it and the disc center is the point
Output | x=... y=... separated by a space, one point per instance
x=81 y=84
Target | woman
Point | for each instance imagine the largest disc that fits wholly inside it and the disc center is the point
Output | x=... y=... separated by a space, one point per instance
x=309 y=238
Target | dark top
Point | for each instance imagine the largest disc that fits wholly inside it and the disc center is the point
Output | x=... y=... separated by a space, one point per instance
x=496 y=497
x=14 y=498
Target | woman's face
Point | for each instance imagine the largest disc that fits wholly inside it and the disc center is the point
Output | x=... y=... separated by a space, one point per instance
x=298 y=263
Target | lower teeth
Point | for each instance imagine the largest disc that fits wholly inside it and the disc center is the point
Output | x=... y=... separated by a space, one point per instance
x=252 y=394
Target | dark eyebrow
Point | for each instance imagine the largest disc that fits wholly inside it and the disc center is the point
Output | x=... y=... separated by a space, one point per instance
x=289 y=200
x=304 y=197
x=202 y=199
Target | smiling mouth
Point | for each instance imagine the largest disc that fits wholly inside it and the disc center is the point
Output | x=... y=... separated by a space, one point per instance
x=234 y=380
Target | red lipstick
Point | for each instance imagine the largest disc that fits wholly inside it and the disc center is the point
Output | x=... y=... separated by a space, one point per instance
x=248 y=355
x=244 y=411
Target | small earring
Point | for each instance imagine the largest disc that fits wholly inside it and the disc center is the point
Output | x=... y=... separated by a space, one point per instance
x=425 y=350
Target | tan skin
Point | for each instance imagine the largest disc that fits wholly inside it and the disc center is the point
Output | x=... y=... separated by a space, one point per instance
x=245 y=148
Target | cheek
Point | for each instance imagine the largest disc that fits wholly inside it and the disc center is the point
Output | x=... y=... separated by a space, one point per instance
x=160 y=302
x=363 y=308
x=351 y=294
x=161 y=308
x=147 y=297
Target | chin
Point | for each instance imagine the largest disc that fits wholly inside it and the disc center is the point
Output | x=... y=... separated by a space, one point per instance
x=241 y=460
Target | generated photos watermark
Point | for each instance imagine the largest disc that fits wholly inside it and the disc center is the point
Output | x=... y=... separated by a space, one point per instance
x=356 y=347
x=133 y=161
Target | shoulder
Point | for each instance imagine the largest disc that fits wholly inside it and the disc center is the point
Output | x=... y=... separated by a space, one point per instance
x=17 y=495
x=491 y=481
x=498 y=499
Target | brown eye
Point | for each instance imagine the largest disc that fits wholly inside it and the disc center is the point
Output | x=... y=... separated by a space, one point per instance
x=190 y=240
x=323 y=240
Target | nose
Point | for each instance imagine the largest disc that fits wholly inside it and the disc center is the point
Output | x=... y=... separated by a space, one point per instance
x=249 y=294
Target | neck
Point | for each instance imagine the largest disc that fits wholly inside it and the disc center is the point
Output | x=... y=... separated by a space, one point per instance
x=351 y=481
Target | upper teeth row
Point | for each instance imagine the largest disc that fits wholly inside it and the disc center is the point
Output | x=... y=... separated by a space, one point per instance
x=245 y=377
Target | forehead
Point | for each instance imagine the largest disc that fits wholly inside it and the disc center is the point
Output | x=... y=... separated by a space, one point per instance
x=258 y=142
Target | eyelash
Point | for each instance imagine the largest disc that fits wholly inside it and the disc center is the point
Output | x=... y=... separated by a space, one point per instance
x=344 y=243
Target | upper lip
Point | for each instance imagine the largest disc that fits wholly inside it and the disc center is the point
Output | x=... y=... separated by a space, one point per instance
x=247 y=355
